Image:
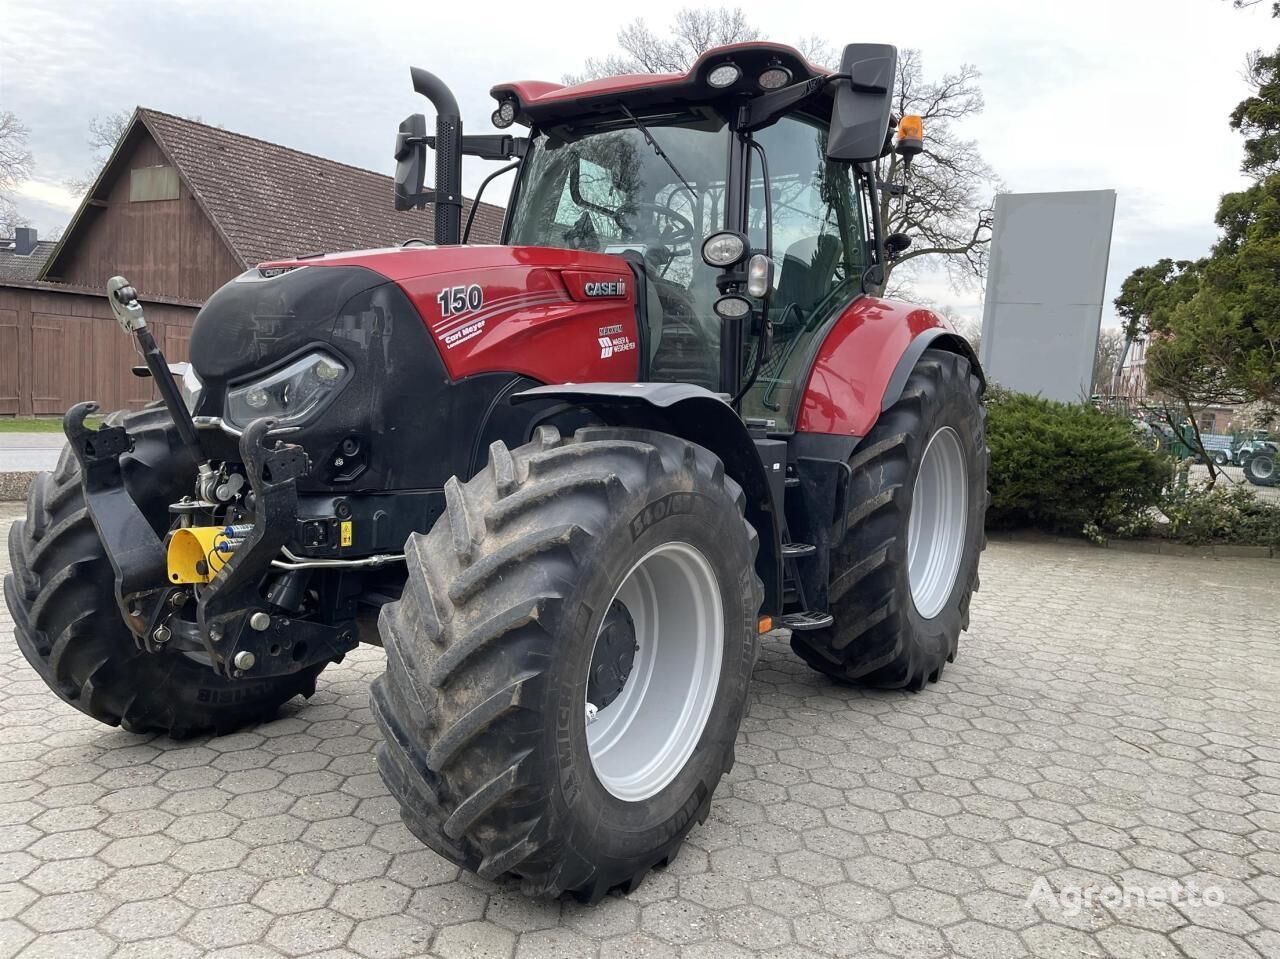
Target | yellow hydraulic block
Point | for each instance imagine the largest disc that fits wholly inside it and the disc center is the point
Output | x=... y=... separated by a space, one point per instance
x=196 y=553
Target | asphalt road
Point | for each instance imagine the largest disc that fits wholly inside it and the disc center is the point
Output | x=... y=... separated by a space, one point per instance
x=1098 y=732
x=25 y=452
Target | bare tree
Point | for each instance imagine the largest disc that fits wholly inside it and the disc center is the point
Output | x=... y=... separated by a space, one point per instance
x=15 y=167
x=1106 y=359
x=944 y=203
x=970 y=329
x=105 y=131
x=694 y=31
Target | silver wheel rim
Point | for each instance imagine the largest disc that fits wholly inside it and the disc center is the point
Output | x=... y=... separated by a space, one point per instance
x=936 y=528
x=641 y=740
x=1263 y=467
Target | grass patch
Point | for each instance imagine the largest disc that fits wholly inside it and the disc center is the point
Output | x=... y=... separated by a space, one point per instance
x=40 y=424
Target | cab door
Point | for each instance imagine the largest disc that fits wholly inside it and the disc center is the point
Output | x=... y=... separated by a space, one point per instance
x=820 y=253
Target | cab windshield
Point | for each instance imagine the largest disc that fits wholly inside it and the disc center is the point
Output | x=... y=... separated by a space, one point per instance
x=610 y=192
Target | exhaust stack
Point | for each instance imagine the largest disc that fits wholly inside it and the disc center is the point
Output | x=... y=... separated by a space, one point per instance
x=447 y=195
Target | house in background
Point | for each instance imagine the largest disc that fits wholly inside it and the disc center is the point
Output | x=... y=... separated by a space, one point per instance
x=23 y=255
x=179 y=208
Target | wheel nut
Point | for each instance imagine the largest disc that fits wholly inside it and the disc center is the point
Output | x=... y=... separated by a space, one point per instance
x=260 y=621
x=161 y=635
x=244 y=660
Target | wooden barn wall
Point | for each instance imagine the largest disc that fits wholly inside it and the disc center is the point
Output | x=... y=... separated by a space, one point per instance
x=165 y=247
x=58 y=348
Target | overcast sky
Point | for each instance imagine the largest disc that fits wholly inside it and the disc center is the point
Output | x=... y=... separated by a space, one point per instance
x=1131 y=95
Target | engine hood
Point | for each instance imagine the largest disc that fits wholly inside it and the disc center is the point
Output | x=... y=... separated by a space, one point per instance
x=537 y=311
x=402 y=263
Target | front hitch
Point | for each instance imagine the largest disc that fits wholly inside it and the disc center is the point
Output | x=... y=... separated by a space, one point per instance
x=241 y=634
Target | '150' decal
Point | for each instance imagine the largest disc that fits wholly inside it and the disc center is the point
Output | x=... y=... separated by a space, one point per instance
x=460 y=299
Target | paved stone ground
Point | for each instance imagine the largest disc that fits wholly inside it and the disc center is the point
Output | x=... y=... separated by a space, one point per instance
x=1109 y=723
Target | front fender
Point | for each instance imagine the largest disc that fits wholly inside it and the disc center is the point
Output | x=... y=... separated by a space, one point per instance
x=699 y=416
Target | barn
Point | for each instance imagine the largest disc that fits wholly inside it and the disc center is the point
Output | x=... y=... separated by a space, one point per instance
x=179 y=208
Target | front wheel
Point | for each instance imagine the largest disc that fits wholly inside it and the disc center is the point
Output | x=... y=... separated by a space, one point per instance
x=904 y=571
x=61 y=595
x=568 y=665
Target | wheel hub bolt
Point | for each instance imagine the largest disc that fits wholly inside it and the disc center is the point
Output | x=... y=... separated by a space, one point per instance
x=161 y=635
x=260 y=621
x=244 y=660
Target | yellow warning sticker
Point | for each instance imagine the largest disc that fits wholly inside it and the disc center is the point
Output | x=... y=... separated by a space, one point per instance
x=346 y=532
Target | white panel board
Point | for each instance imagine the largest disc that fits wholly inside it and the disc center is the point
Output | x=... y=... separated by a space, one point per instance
x=1048 y=271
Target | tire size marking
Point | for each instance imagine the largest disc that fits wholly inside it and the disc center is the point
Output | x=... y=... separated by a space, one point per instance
x=669 y=505
x=455 y=300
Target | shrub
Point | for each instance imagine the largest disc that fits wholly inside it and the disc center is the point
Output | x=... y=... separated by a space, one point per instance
x=1063 y=467
x=1225 y=513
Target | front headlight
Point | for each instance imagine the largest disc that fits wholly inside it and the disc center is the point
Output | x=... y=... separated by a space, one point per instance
x=289 y=394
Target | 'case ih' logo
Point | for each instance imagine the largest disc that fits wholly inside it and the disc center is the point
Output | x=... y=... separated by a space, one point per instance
x=605 y=288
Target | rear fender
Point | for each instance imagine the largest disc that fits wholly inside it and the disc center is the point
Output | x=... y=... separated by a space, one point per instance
x=864 y=361
x=699 y=416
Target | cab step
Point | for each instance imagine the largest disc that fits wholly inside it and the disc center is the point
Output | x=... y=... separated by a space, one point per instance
x=798 y=550
x=802 y=621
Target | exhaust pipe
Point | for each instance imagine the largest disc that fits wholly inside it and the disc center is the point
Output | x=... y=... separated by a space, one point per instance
x=448 y=147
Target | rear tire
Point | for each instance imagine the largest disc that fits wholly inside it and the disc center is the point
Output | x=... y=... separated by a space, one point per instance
x=895 y=628
x=492 y=649
x=1260 y=469
x=61 y=595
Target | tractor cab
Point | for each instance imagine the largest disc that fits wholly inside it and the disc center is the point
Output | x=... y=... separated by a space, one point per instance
x=736 y=193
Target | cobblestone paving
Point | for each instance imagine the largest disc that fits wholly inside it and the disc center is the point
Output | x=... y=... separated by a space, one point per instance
x=1112 y=721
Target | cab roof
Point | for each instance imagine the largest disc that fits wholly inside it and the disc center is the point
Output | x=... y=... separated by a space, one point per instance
x=539 y=103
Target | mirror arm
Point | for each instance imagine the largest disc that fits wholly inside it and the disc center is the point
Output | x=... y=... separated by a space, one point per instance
x=475 y=203
x=868 y=173
x=760 y=110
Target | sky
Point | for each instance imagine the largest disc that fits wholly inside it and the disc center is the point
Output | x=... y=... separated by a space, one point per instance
x=1130 y=95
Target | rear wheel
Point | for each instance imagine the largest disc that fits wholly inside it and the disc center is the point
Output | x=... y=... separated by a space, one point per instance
x=904 y=572
x=1260 y=469
x=61 y=595
x=568 y=665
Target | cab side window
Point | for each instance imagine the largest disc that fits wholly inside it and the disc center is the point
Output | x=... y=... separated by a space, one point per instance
x=819 y=251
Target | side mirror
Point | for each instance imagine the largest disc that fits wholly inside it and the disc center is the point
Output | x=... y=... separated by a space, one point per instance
x=860 y=114
x=896 y=244
x=411 y=163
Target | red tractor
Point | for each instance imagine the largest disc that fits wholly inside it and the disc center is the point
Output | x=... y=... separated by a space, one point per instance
x=567 y=481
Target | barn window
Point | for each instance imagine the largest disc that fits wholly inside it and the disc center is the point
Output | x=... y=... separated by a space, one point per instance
x=153 y=183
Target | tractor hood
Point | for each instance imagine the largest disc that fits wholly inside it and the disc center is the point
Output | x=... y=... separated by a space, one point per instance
x=537 y=311
x=406 y=347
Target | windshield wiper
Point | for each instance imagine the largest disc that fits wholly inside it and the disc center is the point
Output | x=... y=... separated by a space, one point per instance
x=644 y=130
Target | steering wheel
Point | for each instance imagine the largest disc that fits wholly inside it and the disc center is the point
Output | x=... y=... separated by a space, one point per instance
x=680 y=229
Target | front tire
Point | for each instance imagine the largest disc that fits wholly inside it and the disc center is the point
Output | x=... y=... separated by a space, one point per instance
x=904 y=572
x=61 y=595
x=1260 y=469
x=537 y=592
